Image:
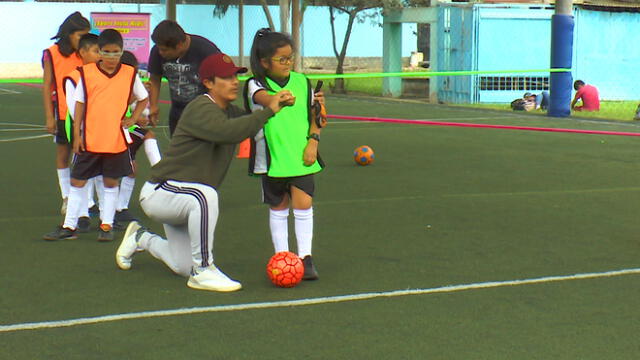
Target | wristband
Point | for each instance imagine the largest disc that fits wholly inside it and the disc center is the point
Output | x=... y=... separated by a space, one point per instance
x=314 y=136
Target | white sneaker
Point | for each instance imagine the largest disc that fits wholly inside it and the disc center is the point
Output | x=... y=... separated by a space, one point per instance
x=128 y=246
x=212 y=279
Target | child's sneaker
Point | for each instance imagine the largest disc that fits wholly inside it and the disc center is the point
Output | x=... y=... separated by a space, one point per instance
x=310 y=272
x=94 y=211
x=105 y=233
x=123 y=216
x=61 y=233
x=84 y=224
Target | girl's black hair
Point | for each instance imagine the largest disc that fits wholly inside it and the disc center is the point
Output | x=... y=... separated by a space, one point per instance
x=128 y=58
x=74 y=22
x=265 y=45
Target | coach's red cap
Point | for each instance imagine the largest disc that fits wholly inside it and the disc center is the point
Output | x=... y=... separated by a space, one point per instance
x=219 y=65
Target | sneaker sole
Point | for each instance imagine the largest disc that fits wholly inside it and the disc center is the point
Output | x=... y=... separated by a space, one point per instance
x=74 y=237
x=197 y=286
x=132 y=228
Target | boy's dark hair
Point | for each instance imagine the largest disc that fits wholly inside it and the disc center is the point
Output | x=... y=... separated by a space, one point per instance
x=87 y=41
x=265 y=45
x=110 y=37
x=168 y=33
x=128 y=58
x=577 y=83
x=74 y=22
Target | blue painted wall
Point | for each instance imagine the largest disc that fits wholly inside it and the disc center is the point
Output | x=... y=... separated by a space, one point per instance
x=517 y=37
x=19 y=45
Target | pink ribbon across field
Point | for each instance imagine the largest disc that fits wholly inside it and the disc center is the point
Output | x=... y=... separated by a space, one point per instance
x=488 y=126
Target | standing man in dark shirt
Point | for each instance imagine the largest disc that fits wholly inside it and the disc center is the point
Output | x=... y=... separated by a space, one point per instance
x=177 y=57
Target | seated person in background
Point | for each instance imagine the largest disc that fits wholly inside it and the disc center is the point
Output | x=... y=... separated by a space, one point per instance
x=588 y=94
x=541 y=100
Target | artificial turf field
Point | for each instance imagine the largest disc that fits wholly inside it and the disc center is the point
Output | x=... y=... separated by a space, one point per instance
x=472 y=208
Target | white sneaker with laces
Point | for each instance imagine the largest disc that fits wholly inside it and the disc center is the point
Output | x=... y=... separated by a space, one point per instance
x=212 y=279
x=128 y=246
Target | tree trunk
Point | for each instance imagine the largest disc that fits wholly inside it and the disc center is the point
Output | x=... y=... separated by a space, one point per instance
x=296 y=21
x=339 y=82
x=267 y=13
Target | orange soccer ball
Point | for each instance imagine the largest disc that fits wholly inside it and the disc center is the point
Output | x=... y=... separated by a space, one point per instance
x=363 y=155
x=285 y=269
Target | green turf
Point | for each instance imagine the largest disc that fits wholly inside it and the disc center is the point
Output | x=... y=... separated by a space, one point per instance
x=440 y=206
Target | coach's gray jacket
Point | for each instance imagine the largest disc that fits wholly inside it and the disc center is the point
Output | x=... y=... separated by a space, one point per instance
x=204 y=142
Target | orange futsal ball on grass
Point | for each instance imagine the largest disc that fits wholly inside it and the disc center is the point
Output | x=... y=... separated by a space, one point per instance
x=363 y=155
x=285 y=269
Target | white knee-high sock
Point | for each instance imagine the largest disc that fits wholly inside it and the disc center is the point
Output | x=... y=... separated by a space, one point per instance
x=278 y=223
x=73 y=206
x=152 y=151
x=64 y=180
x=304 y=230
x=90 y=186
x=126 y=188
x=109 y=208
x=98 y=182
x=84 y=201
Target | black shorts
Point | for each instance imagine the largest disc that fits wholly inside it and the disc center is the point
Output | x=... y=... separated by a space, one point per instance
x=88 y=165
x=274 y=189
x=61 y=133
x=138 y=139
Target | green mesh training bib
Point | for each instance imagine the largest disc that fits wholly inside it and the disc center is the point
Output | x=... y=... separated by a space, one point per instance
x=286 y=132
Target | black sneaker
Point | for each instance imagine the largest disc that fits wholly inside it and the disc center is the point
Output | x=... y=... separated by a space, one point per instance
x=105 y=233
x=310 y=272
x=94 y=211
x=84 y=224
x=61 y=233
x=124 y=216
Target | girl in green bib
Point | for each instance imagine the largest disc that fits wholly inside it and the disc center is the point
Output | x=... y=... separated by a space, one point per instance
x=285 y=151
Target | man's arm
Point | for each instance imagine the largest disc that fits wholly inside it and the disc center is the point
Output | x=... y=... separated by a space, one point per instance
x=155 y=81
x=205 y=120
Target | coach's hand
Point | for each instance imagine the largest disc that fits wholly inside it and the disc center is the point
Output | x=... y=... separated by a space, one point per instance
x=281 y=99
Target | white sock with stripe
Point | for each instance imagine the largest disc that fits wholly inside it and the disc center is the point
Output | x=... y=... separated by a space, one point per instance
x=83 y=210
x=98 y=182
x=126 y=189
x=304 y=230
x=64 y=180
x=152 y=151
x=90 y=186
x=109 y=208
x=278 y=223
x=73 y=206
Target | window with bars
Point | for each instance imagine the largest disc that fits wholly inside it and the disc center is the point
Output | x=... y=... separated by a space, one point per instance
x=507 y=83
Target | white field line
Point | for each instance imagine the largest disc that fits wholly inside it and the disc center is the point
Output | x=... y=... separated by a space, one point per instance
x=21 y=124
x=311 y=301
x=25 y=138
x=23 y=129
x=7 y=91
